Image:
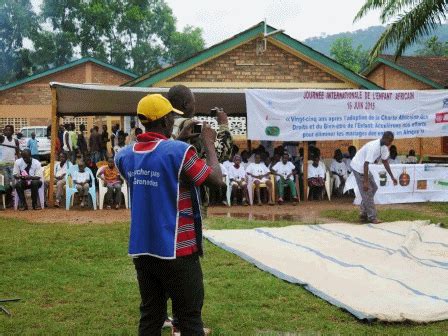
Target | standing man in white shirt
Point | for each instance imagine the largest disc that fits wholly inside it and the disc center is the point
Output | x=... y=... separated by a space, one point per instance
x=368 y=154
x=9 y=151
x=27 y=172
x=285 y=172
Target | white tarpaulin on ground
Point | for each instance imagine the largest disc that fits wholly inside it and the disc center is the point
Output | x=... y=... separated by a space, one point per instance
x=416 y=183
x=392 y=272
x=297 y=115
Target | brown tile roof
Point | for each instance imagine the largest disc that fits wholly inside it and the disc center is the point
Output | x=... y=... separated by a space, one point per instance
x=434 y=68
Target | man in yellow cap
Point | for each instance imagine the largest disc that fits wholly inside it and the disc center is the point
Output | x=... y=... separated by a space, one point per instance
x=166 y=225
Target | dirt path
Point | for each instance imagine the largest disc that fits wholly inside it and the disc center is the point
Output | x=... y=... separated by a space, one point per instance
x=309 y=212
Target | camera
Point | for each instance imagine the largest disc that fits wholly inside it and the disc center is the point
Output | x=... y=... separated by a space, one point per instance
x=197 y=128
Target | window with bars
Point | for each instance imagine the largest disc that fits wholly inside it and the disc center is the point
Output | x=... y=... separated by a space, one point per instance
x=77 y=120
x=18 y=123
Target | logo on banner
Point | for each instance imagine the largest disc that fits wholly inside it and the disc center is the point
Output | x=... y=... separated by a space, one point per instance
x=442 y=117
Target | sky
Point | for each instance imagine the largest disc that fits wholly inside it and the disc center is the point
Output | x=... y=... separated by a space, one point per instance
x=300 y=19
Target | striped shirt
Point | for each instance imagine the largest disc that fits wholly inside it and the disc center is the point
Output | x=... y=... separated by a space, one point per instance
x=193 y=170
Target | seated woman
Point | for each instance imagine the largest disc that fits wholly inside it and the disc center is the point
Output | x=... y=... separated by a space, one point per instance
x=112 y=180
x=82 y=182
x=260 y=174
x=237 y=176
x=285 y=172
x=316 y=178
x=393 y=156
x=340 y=172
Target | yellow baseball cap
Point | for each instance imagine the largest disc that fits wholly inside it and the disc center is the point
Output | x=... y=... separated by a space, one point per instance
x=153 y=107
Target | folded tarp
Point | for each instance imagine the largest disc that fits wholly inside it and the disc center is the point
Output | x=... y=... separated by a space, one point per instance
x=391 y=272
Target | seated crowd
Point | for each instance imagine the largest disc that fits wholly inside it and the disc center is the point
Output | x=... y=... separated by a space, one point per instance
x=252 y=176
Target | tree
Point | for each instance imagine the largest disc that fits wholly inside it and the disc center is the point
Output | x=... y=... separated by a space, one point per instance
x=134 y=34
x=343 y=52
x=412 y=20
x=17 y=23
x=186 y=43
x=433 y=47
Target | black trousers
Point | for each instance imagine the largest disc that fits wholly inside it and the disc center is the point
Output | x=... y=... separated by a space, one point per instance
x=181 y=280
x=21 y=186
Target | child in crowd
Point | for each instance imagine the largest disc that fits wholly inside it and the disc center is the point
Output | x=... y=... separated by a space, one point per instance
x=237 y=176
x=340 y=172
x=285 y=172
x=110 y=176
x=82 y=182
x=260 y=174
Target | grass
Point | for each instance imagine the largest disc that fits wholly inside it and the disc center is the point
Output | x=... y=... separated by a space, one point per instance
x=435 y=212
x=78 y=280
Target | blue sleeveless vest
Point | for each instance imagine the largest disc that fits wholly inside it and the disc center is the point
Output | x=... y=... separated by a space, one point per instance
x=153 y=179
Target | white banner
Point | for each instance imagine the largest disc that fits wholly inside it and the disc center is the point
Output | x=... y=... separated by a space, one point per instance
x=310 y=115
x=416 y=183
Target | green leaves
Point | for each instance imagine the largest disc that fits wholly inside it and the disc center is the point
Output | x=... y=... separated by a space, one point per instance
x=139 y=35
x=412 y=20
x=433 y=47
x=352 y=58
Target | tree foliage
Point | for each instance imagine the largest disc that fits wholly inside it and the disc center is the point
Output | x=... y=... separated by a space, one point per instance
x=433 y=47
x=411 y=20
x=343 y=52
x=138 y=35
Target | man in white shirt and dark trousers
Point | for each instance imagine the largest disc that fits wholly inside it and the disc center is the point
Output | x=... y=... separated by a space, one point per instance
x=368 y=154
x=285 y=172
x=27 y=174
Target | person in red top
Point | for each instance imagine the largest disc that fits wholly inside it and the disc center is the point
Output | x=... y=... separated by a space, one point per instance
x=162 y=275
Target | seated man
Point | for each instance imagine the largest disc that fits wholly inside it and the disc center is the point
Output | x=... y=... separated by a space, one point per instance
x=111 y=178
x=285 y=172
x=340 y=172
x=82 y=182
x=60 y=170
x=411 y=158
x=27 y=174
x=260 y=174
x=316 y=178
x=393 y=155
x=237 y=176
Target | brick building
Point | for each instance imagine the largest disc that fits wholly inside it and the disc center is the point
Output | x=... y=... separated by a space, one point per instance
x=408 y=73
x=27 y=102
x=245 y=61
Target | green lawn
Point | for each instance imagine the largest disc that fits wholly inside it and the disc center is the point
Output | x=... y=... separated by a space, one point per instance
x=435 y=212
x=78 y=280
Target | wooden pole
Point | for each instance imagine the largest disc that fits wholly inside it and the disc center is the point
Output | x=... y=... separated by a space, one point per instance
x=54 y=134
x=305 y=171
x=420 y=150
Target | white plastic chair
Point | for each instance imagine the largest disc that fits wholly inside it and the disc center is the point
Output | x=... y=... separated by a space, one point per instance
x=251 y=187
x=28 y=191
x=102 y=190
x=226 y=180
x=70 y=189
x=2 y=182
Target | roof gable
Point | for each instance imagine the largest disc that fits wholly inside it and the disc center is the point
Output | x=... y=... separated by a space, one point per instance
x=65 y=67
x=427 y=69
x=156 y=76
